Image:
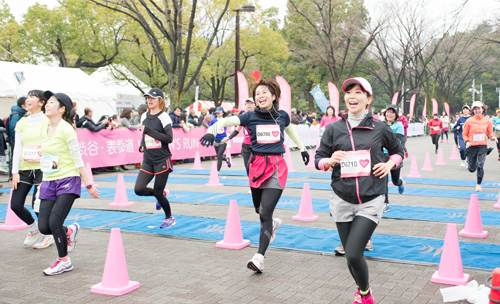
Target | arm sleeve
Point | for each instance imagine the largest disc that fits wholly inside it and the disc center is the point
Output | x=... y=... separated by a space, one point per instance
x=234 y=134
x=74 y=151
x=295 y=137
x=224 y=122
x=165 y=137
x=465 y=132
x=16 y=156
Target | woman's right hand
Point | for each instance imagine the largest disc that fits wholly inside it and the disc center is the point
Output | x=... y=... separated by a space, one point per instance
x=94 y=192
x=15 y=180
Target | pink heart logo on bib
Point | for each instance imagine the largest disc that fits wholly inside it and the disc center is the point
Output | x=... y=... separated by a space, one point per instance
x=157 y=141
x=364 y=162
x=276 y=133
x=39 y=153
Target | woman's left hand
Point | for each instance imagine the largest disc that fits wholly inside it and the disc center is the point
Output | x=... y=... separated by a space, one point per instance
x=382 y=169
x=94 y=192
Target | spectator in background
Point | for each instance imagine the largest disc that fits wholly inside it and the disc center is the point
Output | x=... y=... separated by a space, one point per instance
x=88 y=123
x=186 y=126
x=109 y=124
x=207 y=120
x=235 y=111
x=125 y=119
x=193 y=119
x=293 y=118
x=314 y=120
x=17 y=112
x=140 y=110
x=211 y=112
x=72 y=117
x=203 y=113
x=115 y=121
x=76 y=118
x=175 y=116
x=327 y=119
x=404 y=121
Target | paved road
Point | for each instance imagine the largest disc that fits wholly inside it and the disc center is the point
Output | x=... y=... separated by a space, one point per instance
x=184 y=270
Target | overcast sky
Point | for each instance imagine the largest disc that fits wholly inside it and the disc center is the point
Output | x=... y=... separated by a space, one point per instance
x=476 y=10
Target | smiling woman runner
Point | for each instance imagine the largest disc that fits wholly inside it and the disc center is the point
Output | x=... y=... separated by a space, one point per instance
x=268 y=170
x=26 y=171
x=62 y=166
x=352 y=148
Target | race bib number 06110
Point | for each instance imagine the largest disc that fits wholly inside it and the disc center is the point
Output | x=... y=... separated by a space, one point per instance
x=355 y=164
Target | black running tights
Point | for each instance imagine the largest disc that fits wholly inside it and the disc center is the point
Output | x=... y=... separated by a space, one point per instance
x=477 y=163
x=219 y=149
x=265 y=201
x=51 y=220
x=396 y=181
x=354 y=236
x=17 y=202
x=141 y=188
x=435 y=140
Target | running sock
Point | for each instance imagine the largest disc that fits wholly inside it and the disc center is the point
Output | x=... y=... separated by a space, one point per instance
x=364 y=292
x=65 y=259
x=34 y=225
x=70 y=232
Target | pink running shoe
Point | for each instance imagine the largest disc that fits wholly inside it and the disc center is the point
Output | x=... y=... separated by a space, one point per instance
x=367 y=299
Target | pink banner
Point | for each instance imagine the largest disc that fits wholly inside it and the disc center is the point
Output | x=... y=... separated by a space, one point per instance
x=424 y=110
x=108 y=148
x=412 y=104
x=395 y=98
x=333 y=93
x=447 y=108
x=434 y=106
x=242 y=91
x=286 y=95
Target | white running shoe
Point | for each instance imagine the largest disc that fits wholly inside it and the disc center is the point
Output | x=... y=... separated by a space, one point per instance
x=58 y=267
x=44 y=242
x=462 y=164
x=33 y=236
x=256 y=263
x=276 y=226
x=72 y=238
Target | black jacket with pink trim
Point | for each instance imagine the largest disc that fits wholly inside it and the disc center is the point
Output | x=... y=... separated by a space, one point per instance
x=371 y=134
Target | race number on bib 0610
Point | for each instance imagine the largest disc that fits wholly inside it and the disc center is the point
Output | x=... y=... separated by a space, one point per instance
x=268 y=134
x=151 y=143
x=355 y=164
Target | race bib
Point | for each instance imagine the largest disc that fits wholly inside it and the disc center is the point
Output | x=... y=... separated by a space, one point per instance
x=268 y=134
x=436 y=128
x=151 y=143
x=32 y=153
x=479 y=137
x=49 y=164
x=355 y=164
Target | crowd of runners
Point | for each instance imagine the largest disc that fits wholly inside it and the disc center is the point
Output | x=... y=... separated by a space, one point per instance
x=358 y=149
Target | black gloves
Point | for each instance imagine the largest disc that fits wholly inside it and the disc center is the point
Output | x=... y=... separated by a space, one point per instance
x=305 y=157
x=207 y=140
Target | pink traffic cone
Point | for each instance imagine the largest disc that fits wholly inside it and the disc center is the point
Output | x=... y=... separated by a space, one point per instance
x=214 y=177
x=115 y=280
x=88 y=170
x=427 y=163
x=450 y=267
x=228 y=155
x=413 y=168
x=305 y=208
x=454 y=155
x=121 y=199
x=497 y=205
x=473 y=224
x=12 y=221
x=288 y=159
x=440 y=159
x=311 y=160
x=197 y=162
x=233 y=237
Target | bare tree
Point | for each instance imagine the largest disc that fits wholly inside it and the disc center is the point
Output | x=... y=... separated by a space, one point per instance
x=163 y=21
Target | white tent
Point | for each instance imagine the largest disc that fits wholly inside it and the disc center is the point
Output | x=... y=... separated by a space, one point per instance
x=80 y=87
x=197 y=105
x=127 y=96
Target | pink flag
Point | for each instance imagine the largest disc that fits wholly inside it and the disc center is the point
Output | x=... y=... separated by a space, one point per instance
x=242 y=91
x=286 y=95
x=412 y=104
x=434 y=106
x=333 y=93
x=395 y=98
x=447 y=108
x=424 y=110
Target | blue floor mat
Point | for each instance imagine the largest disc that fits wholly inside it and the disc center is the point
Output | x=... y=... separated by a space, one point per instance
x=319 y=205
x=416 y=249
x=483 y=195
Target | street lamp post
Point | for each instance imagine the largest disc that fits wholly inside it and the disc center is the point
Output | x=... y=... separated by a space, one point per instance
x=243 y=8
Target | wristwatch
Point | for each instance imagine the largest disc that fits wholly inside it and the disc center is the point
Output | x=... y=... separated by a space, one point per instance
x=89 y=186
